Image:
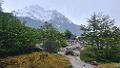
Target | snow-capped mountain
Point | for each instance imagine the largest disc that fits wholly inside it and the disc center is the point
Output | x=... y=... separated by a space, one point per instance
x=35 y=16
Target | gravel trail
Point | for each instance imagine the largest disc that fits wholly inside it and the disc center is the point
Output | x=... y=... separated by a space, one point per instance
x=75 y=61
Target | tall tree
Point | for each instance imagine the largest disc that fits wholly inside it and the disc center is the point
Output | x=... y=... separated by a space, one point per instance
x=102 y=34
x=67 y=34
x=1 y=1
x=51 y=38
x=98 y=29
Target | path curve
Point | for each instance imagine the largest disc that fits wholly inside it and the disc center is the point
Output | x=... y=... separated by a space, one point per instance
x=75 y=61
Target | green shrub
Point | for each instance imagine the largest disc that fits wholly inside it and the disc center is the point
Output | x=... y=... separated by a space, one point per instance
x=15 y=37
x=103 y=56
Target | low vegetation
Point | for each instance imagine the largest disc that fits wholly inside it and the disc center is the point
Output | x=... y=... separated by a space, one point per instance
x=35 y=60
x=87 y=55
x=110 y=65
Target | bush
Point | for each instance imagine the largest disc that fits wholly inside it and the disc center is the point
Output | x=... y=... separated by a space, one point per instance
x=86 y=56
x=103 y=56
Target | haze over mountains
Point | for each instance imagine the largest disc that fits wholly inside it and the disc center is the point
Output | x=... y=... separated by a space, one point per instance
x=35 y=16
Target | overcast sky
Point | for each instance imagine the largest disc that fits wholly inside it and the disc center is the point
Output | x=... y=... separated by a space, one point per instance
x=76 y=10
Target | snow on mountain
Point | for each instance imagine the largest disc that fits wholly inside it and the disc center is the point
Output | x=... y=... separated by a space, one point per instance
x=35 y=16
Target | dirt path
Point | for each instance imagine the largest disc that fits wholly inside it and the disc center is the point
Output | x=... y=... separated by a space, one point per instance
x=75 y=60
x=77 y=63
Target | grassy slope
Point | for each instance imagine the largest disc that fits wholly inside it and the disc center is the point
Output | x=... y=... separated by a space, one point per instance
x=35 y=60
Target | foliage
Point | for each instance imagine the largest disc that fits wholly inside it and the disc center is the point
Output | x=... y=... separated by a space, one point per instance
x=104 y=36
x=51 y=39
x=15 y=37
x=35 y=60
x=67 y=34
x=1 y=1
x=87 y=54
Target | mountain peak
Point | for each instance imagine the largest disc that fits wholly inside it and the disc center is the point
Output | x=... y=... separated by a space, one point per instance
x=35 y=13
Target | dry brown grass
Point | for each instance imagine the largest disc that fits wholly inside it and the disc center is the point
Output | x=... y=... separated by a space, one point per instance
x=35 y=60
x=109 y=65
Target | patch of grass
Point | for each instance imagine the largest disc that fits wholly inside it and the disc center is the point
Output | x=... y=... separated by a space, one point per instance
x=86 y=56
x=109 y=65
x=35 y=60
